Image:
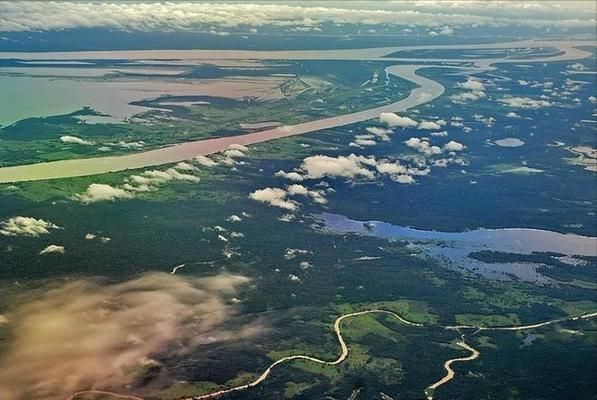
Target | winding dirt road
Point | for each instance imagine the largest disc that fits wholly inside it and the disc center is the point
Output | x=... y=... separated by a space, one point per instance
x=345 y=351
x=521 y=327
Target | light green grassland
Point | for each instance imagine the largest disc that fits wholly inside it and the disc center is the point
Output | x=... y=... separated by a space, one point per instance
x=487 y=320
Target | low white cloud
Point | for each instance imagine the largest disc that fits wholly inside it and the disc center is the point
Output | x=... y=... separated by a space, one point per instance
x=453 y=146
x=487 y=121
x=512 y=114
x=381 y=133
x=305 y=265
x=361 y=167
x=234 y=153
x=429 y=125
x=423 y=146
x=391 y=168
x=185 y=166
x=286 y=218
x=205 y=161
x=128 y=145
x=53 y=248
x=26 y=226
x=156 y=176
x=275 y=197
x=445 y=162
x=278 y=197
x=351 y=166
x=234 y=218
x=75 y=140
x=293 y=176
x=102 y=192
x=394 y=120
x=524 y=102
x=317 y=196
x=239 y=147
x=439 y=134
x=471 y=84
x=365 y=140
x=464 y=97
x=147 y=181
x=397 y=172
x=297 y=189
x=404 y=179
x=476 y=92
x=292 y=253
x=446 y=31
x=102 y=239
x=577 y=67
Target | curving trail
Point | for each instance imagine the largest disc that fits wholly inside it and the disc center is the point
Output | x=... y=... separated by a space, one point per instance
x=522 y=327
x=345 y=351
x=341 y=357
x=176 y=268
x=448 y=367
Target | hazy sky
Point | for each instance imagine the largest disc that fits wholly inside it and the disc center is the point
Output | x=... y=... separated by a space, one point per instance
x=41 y=16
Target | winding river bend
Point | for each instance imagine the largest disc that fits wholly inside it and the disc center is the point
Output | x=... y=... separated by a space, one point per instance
x=345 y=350
x=448 y=367
x=426 y=91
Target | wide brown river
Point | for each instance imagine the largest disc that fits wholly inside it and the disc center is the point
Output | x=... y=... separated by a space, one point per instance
x=426 y=91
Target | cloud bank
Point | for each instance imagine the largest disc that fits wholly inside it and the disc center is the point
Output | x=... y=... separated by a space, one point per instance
x=394 y=120
x=25 y=226
x=53 y=248
x=477 y=91
x=75 y=140
x=18 y=16
x=102 y=192
x=524 y=102
x=275 y=197
x=147 y=181
x=87 y=334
